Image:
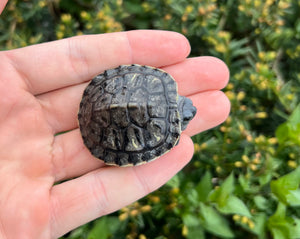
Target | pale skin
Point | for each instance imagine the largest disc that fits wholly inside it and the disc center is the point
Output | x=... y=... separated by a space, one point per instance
x=40 y=89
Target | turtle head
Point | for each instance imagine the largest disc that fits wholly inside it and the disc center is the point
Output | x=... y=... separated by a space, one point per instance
x=186 y=110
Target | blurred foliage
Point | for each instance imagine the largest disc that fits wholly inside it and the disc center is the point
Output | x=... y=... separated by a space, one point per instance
x=243 y=181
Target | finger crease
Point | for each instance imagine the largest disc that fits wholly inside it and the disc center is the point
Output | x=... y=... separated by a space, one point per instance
x=100 y=193
x=130 y=52
x=141 y=181
x=75 y=55
x=22 y=75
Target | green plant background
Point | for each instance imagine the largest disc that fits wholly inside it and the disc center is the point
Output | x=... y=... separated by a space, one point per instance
x=243 y=181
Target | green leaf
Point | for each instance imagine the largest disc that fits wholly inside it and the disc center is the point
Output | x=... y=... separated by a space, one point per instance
x=104 y=227
x=294 y=119
x=286 y=188
x=100 y=230
x=261 y=202
x=226 y=202
x=221 y=194
x=195 y=232
x=283 y=227
x=214 y=222
x=296 y=228
x=259 y=229
x=290 y=130
x=190 y=220
x=174 y=182
x=234 y=205
x=204 y=187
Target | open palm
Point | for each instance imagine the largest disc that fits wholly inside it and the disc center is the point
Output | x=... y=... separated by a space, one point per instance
x=40 y=89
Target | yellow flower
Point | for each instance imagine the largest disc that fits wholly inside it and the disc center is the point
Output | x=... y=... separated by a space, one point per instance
x=201 y=10
x=62 y=27
x=244 y=219
x=243 y=107
x=289 y=96
x=269 y=2
x=184 y=230
x=189 y=9
x=219 y=169
x=66 y=18
x=272 y=140
x=241 y=128
x=230 y=95
x=184 y=18
x=262 y=55
x=146 y=6
x=256 y=161
x=221 y=48
x=283 y=5
x=89 y=26
x=124 y=209
x=196 y=148
x=42 y=4
x=175 y=191
x=230 y=86
x=257 y=3
x=249 y=138
x=241 y=95
x=100 y=15
x=83 y=14
x=253 y=167
x=212 y=7
x=271 y=55
x=123 y=216
x=146 y=208
x=241 y=8
x=251 y=224
x=134 y=212
x=228 y=120
x=261 y=115
x=215 y=157
x=167 y=17
x=154 y=199
x=203 y=146
x=236 y=217
x=292 y=155
x=238 y=164
x=245 y=158
x=292 y=164
x=223 y=129
x=260 y=139
x=172 y=205
x=59 y=35
x=257 y=31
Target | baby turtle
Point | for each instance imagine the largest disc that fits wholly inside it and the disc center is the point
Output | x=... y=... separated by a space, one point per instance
x=132 y=114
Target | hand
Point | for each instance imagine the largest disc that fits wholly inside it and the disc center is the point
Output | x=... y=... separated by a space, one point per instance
x=40 y=89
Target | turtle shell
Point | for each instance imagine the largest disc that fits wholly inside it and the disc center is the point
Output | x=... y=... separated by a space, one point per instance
x=129 y=115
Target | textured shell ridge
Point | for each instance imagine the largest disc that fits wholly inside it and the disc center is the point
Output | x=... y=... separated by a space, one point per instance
x=129 y=115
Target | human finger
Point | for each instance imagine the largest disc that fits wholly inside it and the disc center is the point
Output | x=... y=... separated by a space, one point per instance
x=107 y=189
x=74 y=60
x=192 y=75
x=2 y=5
x=213 y=108
x=72 y=159
x=199 y=74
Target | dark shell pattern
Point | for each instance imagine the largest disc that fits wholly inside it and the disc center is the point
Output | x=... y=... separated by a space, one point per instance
x=129 y=115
